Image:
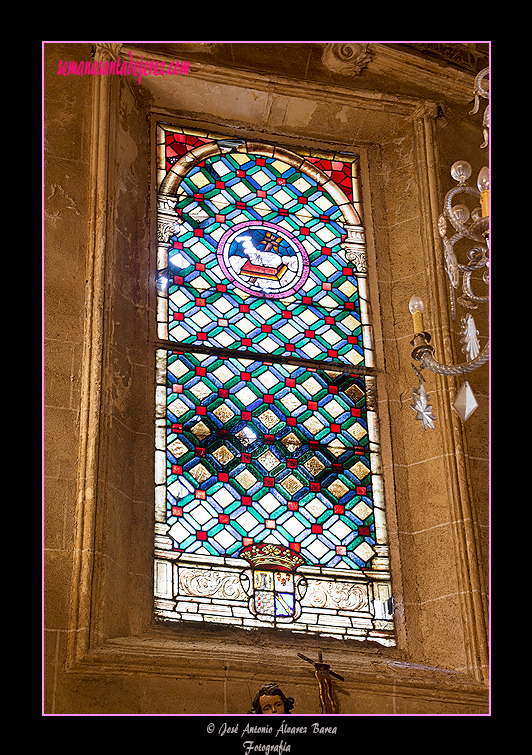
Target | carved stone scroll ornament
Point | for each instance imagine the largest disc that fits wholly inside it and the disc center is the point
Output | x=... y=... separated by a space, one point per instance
x=346 y=57
x=209 y=583
x=324 y=594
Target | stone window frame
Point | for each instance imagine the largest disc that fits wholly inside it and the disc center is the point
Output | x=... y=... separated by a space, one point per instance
x=111 y=625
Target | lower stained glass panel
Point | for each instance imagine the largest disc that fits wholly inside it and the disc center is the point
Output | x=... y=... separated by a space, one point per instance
x=268 y=453
x=269 y=505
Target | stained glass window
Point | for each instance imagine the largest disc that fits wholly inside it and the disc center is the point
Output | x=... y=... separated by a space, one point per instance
x=269 y=494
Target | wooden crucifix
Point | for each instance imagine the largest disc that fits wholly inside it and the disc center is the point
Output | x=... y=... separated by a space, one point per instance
x=323 y=674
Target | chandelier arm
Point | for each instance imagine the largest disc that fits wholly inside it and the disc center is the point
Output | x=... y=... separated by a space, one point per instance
x=477 y=258
x=479 y=90
x=427 y=361
x=449 y=214
x=473 y=266
x=481 y=75
x=466 y=288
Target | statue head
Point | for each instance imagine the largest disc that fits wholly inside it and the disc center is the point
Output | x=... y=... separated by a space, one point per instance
x=270 y=700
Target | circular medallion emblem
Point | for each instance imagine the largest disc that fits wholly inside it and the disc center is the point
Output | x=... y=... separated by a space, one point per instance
x=263 y=259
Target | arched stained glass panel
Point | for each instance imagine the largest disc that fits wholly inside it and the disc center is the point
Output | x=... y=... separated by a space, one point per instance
x=269 y=496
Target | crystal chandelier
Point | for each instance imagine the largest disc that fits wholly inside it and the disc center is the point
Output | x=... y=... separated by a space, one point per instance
x=465 y=241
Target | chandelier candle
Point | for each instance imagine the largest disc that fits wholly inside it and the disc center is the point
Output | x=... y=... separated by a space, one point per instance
x=483 y=185
x=415 y=306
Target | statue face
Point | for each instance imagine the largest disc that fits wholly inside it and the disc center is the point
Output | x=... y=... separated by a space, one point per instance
x=271 y=704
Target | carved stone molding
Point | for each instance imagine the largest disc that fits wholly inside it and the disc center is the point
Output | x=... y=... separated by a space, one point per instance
x=465 y=56
x=168 y=219
x=107 y=50
x=346 y=57
x=425 y=109
x=354 y=247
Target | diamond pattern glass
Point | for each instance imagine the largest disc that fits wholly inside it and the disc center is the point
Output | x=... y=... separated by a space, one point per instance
x=268 y=453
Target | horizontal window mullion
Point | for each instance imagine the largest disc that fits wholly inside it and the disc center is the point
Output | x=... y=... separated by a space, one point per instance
x=313 y=364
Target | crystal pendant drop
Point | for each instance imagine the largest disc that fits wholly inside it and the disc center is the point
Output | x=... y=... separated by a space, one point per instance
x=465 y=402
x=422 y=407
